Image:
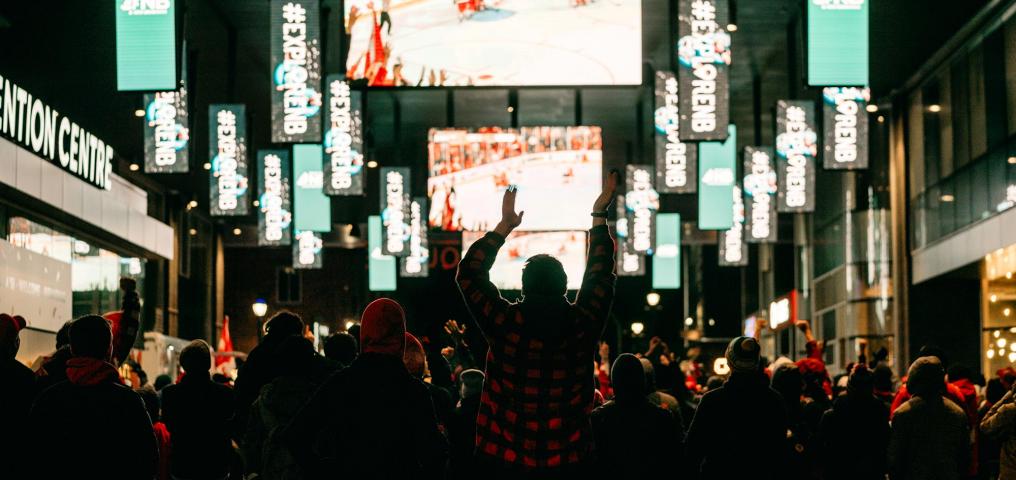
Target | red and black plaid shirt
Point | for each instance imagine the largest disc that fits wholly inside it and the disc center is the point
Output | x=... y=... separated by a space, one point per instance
x=536 y=400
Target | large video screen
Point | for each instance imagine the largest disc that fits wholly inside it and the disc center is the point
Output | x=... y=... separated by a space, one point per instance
x=494 y=42
x=558 y=171
x=568 y=247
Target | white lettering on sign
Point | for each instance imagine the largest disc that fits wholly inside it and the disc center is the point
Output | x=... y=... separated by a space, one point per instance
x=228 y=180
x=797 y=142
x=165 y=128
x=640 y=198
x=733 y=239
x=296 y=102
x=339 y=148
x=839 y=4
x=418 y=254
x=145 y=7
x=395 y=220
x=676 y=166
x=308 y=246
x=277 y=218
x=760 y=184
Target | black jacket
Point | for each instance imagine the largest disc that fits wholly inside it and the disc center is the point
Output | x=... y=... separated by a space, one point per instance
x=372 y=420
x=17 y=390
x=854 y=437
x=739 y=430
x=635 y=439
x=462 y=437
x=196 y=412
x=101 y=431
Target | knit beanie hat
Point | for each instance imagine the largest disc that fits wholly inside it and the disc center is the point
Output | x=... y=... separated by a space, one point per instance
x=383 y=328
x=743 y=354
x=414 y=357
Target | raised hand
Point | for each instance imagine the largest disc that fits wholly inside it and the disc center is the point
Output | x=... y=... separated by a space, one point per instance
x=607 y=194
x=455 y=331
x=509 y=218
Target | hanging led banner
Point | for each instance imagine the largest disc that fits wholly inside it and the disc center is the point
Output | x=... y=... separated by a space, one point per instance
x=733 y=249
x=760 y=195
x=704 y=55
x=675 y=161
x=629 y=262
x=667 y=256
x=796 y=148
x=343 y=139
x=641 y=203
x=380 y=267
x=227 y=153
x=416 y=263
x=717 y=176
x=296 y=71
x=838 y=42
x=167 y=131
x=274 y=214
x=307 y=248
x=312 y=209
x=145 y=44
x=395 y=210
x=845 y=120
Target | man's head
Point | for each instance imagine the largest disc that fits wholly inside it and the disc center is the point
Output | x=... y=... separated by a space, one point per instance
x=861 y=382
x=544 y=275
x=196 y=358
x=628 y=378
x=743 y=355
x=91 y=336
x=926 y=378
x=383 y=328
x=284 y=324
x=341 y=347
x=10 y=328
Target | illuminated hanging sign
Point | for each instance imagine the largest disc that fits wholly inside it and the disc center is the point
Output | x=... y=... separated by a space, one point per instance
x=416 y=263
x=733 y=247
x=167 y=132
x=296 y=71
x=145 y=44
x=380 y=267
x=704 y=57
x=667 y=256
x=343 y=139
x=717 y=176
x=395 y=210
x=274 y=214
x=675 y=160
x=307 y=248
x=838 y=42
x=312 y=209
x=641 y=203
x=227 y=153
x=28 y=122
x=760 y=195
x=796 y=148
x=783 y=311
x=629 y=262
x=845 y=120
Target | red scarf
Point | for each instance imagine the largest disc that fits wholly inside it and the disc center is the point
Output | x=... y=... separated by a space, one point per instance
x=86 y=371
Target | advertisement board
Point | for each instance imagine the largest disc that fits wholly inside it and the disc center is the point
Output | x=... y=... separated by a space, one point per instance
x=227 y=154
x=838 y=43
x=275 y=214
x=675 y=160
x=667 y=256
x=295 y=36
x=343 y=139
x=717 y=177
x=312 y=208
x=845 y=120
x=761 y=222
x=145 y=45
x=796 y=149
x=704 y=57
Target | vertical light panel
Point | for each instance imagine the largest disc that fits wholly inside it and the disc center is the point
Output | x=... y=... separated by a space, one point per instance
x=145 y=44
x=704 y=55
x=167 y=131
x=641 y=203
x=717 y=176
x=733 y=251
x=845 y=145
x=395 y=210
x=380 y=267
x=274 y=210
x=417 y=262
x=796 y=148
x=312 y=208
x=838 y=42
x=307 y=248
x=227 y=154
x=667 y=256
x=343 y=139
x=295 y=33
x=629 y=262
x=760 y=195
x=675 y=160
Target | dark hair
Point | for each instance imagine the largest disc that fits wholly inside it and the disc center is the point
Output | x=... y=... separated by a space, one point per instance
x=162 y=381
x=934 y=351
x=544 y=275
x=196 y=357
x=883 y=378
x=285 y=323
x=994 y=391
x=295 y=356
x=63 y=336
x=91 y=336
x=959 y=371
x=341 y=347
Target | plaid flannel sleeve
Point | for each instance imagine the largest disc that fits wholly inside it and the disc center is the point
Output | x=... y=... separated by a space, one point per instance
x=597 y=292
x=483 y=299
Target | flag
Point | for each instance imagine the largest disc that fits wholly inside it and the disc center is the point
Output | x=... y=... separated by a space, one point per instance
x=225 y=364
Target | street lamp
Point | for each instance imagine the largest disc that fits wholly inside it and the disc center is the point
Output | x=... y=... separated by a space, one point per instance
x=260 y=308
x=652 y=299
x=637 y=328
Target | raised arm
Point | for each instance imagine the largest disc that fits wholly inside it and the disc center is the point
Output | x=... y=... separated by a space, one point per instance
x=597 y=291
x=125 y=332
x=483 y=299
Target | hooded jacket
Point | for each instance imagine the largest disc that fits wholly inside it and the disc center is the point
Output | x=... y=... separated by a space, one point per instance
x=1000 y=424
x=197 y=413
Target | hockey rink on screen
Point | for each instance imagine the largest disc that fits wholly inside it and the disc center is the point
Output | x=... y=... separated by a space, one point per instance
x=568 y=247
x=499 y=42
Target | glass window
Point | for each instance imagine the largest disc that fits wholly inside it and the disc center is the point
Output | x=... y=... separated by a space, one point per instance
x=994 y=89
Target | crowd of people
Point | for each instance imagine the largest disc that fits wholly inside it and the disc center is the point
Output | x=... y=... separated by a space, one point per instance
x=546 y=401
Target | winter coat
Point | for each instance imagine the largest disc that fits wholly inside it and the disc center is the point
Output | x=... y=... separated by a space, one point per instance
x=462 y=437
x=91 y=431
x=635 y=439
x=372 y=420
x=739 y=430
x=1000 y=424
x=929 y=439
x=264 y=450
x=856 y=426
x=196 y=412
x=17 y=390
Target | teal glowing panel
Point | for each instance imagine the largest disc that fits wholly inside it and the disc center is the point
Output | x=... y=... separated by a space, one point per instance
x=312 y=208
x=717 y=175
x=838 y=43
x=145 y=45
x=667 y=256
x=381 y=268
